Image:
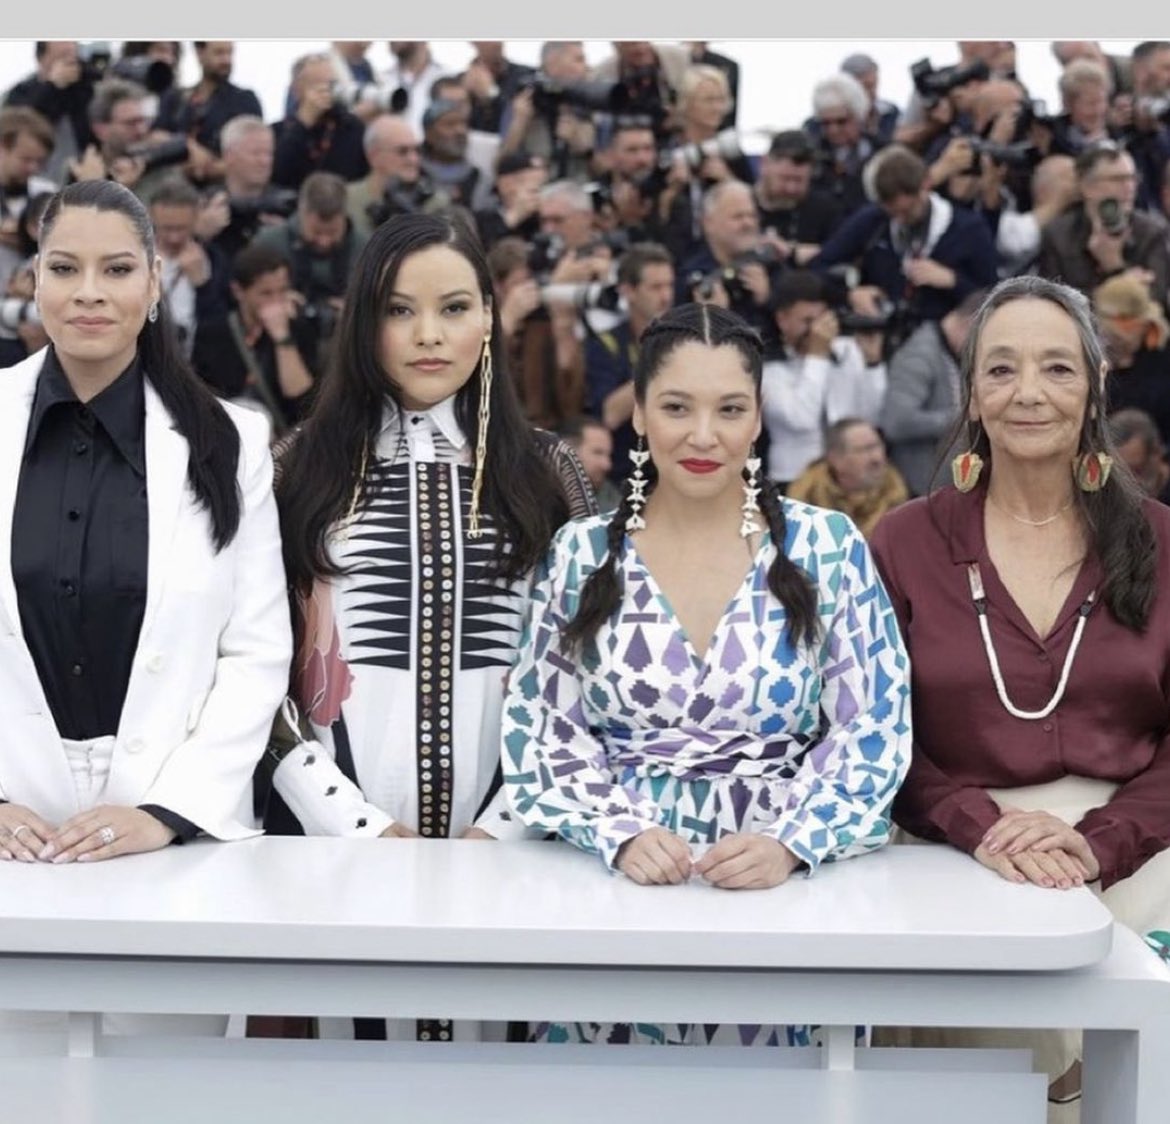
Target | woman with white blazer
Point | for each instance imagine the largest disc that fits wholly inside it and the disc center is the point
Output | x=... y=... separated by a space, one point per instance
x=145 y=638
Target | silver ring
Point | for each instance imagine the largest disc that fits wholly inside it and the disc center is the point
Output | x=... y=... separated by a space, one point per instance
x=106 y=835
x=16 y=831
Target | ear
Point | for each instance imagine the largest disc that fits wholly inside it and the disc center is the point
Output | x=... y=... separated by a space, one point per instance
x=156 y=279
x=638 y=421
x=1104 y=372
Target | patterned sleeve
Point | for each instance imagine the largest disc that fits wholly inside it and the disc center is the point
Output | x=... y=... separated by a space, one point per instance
x=839 y=801
x=575 y=484
x=555 y=770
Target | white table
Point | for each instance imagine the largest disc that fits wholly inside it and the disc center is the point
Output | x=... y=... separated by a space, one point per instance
x=475 y=930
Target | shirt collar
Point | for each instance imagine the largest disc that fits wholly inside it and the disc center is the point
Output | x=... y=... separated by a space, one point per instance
x=440 y=418
x=120 y=409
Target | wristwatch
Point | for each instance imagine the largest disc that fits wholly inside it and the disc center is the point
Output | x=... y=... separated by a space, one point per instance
x=284 y=341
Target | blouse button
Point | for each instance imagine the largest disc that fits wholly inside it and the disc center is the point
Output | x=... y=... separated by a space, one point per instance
x=1043 y=657
x=1048 y=727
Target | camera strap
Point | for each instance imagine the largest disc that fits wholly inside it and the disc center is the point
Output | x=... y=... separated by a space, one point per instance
x=257 y=383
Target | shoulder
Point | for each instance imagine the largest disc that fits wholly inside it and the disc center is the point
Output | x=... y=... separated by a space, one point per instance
x=21 y=377
x=575 y=486
x=815 y=530
x=255 y=432
x=580 y=546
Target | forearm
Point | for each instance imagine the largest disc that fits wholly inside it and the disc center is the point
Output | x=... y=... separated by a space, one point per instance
x=293 y=377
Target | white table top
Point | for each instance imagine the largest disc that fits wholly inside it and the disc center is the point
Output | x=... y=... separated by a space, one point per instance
x=913 y=908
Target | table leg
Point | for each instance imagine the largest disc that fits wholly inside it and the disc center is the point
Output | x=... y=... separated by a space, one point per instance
x=1126 y=1079
x=839 y=1049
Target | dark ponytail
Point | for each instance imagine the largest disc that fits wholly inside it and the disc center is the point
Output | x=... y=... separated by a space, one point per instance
x=198 y=416
x=601 y=594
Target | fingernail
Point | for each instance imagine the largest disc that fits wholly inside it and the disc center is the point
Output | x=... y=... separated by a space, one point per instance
x=992 y=848
x=46 y=851
x=61 y=859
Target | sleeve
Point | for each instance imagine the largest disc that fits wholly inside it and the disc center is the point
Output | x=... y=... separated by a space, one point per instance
x=556 y=775
x=904 y=416
x=184 y=830
x=575 y=484
x=291 y=162
x=796 y=391
x=206 y=777
x=839 y=802
x=978 y=267
x=850 y=239
x=1018 y=234
x=604 y=373
x=854 y=390
x=929 y=803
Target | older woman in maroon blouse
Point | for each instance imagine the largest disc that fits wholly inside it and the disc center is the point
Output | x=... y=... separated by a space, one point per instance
x=1034 y=598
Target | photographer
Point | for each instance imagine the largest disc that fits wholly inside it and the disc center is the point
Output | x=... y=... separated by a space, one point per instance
x=734 y=268
x=321 y=135
x=912 y=247
x=1085 y=90
x=627 y=192
x=1104 y=235
x=542 y=119
x=519 y=180
x=492 y=81
x=941 y=100
x=263 y=351
x=60 y=91
x=882 y=120
x=651 y=74
x=840 y=109
x=357 y=82
x=321 y=248
x=26 y=139
x=1141 y=117
x=396 y=183
x=1054 y=189
x=646 y=282
x=195 y=278
x=252 y=200
x=201 y=112
x=544 y=354
x=704 y=99
x=818 y=376
x=128 y=150
x=414 y=72
x=794 y=216
x=445 y=152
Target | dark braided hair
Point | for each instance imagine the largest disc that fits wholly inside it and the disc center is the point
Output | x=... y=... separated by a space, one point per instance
x=602 y=593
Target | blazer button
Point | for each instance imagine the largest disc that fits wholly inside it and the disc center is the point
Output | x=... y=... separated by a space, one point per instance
x=155 y=663
x=135 y=745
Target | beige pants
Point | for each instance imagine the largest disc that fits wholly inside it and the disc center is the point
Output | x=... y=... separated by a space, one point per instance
x=1141 y=902
x=89 y=762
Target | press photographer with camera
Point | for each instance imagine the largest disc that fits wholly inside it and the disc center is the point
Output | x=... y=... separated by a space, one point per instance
x=1085 y=92
x=942 y=96
x=445 y=152
x=411 y=75
x=882 y=120
x=735 y=267
x=26 y=139
x=1104 y=234
x=493 y=81
x=645 y=277
x=794 y=216
x=60 y=90
x=651 y=76
x=545 y=356
x=516 y=214
x=262 y=352
x=396 y=183
x=837 y=127
x=1054 y=189
x=1141 y=117
x=201 y=112
x=816 y=376
x=253 y=201
x=321 y=248
x=912 y=247
x=321 y=135
x=358 y=85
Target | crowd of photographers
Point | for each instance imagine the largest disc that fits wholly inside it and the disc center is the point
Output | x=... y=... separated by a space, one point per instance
x=858 y=243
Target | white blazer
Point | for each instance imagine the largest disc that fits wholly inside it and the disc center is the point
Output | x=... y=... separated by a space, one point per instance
x=213 y=654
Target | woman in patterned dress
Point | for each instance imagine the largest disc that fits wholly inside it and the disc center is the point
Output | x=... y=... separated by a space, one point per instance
x=415 y=502
x=710 y=686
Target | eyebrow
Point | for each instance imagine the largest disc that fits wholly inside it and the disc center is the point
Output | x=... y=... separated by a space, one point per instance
x=105 y=257
x=734 y=396
x=1047 y=353
x=444 y=296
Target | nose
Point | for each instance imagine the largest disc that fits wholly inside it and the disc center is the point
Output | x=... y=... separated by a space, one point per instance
x=703 y=430
x=427 y=329
x=1030 y=384
x=88 y=291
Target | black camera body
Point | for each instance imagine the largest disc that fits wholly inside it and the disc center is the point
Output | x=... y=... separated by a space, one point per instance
x=280 y=201
x=161 y=154
x=583 y=297
x=1114 y=220
x=400 y=198
x=548 y=95
x=544 y=251
x=933 y=85
x=1019 y=154
x=95 y=58
x=154 y=74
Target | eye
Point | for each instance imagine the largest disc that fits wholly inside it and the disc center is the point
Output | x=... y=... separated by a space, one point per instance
x=397 y=310
x=457 y=306
x=1061 y=369
x=999 y=370
x=59 y=268
x=121 y=269
x=673 y=408
x=734 y=409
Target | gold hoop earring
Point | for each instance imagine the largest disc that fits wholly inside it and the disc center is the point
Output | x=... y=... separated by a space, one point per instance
x=474 y=530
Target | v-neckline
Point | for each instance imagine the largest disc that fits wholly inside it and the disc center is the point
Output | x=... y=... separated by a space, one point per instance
x=699 y=662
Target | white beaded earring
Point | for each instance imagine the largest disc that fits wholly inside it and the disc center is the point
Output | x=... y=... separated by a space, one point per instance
x=152 y=312
x=751 y=490
x=637 y=482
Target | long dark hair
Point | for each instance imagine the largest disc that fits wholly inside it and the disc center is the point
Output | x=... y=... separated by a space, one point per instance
x=602 y=593
x=211 y=436
x=321 y=472
x=1120 y=535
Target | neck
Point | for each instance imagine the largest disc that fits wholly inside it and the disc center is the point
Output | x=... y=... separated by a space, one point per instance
x=713 y=520
x=376 y=182
x=415 y=62
x=773 y=203
x=1032 y=490
x=638 y=324
x=89 y=378
x=240 y=190
x=693 y=133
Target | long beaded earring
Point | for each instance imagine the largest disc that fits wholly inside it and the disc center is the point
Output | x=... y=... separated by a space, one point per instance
x=639 y=455
x=474 y=531
x=751 y=491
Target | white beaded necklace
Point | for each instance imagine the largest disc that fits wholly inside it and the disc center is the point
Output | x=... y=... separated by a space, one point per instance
x=975 y=580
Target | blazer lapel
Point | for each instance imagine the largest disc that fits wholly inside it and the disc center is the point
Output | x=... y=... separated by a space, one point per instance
x=167 y=454
x=17 y=386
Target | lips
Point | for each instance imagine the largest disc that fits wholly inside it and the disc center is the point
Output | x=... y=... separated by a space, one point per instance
x=430 y=365
x=90 y=322
x=700 y=467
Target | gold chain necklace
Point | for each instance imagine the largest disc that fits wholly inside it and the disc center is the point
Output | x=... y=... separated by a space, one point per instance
x=1030 y=522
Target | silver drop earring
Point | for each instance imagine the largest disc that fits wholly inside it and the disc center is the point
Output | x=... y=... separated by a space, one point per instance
x=638 y=457
x=751 y=491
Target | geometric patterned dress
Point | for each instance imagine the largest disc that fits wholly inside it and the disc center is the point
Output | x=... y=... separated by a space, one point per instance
x=804 y=744
x=402 y=661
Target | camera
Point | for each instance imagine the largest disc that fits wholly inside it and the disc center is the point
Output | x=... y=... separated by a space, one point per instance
x=389 y=101
x=15 y=311
x=1019 y=154
x=1153 y=106
x=157 y=76
x=1113 y=218
x=544 y=251
x=594 y=294
x=724 y=145
x=548 y=95
x=280 y=201
x=934 y=85
x=95 y=59
x=400 y=198
x=160 y=155
x=850 y=322
x=618 y=242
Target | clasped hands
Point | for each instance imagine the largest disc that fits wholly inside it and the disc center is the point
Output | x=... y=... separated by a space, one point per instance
x=658 y=857
x=97 y=833
x=1040 y=848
